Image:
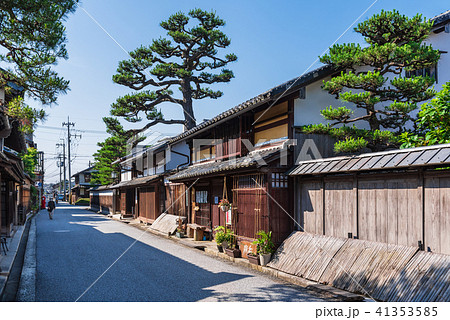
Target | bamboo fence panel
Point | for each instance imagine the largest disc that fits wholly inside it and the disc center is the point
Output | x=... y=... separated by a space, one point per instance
x=306 y=255
x=425 y=278
x=382 y=271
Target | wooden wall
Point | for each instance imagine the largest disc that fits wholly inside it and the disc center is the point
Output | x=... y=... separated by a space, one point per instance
x=101 y=201
x=400 y=209
x=437 y=214
x=176 y=199
x=148 y=203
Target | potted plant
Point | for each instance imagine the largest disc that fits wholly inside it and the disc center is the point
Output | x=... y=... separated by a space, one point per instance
x=224 y=205
x=180 y=229
x=264 y=246
x=220 y=237
x=232 y=250
x=253 y=258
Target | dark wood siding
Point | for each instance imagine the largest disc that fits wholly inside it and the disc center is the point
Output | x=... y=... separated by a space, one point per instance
x=148 y=204
x=176 y=199
x=250 y=204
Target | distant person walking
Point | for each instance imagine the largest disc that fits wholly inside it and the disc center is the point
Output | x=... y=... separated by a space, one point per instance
x=51 y=208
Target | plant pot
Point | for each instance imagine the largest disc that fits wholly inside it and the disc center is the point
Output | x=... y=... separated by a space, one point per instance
x=264 y=258
x=224 y=245
x=220 y=248
x=234 y=253
x=179 y=234
x=253 y=259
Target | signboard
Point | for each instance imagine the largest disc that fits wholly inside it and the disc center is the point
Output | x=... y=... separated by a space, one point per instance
x=247 y=247
x=228 y=217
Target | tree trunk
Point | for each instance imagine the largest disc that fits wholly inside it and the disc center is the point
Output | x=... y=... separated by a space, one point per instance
x=188 y=111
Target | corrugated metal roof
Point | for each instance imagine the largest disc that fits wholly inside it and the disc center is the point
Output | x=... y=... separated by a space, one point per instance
x=438 y=155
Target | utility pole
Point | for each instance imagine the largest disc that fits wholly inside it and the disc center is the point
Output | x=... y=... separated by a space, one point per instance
x=40 y=176
x=68 y=124
x=60 y=173
x=64 y=165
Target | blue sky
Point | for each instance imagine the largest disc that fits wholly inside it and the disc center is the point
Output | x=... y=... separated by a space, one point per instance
x=275 y=41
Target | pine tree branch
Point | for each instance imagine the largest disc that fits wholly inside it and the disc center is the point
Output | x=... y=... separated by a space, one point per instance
x=155 y=122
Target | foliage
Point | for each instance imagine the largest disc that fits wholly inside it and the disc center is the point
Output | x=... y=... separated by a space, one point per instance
x=264 y=244
x=82 y=202
x=34 y=194
x=350 y=145
x=386 y=98
x=30 y=161
x=113 y=148
x=352 y=139
x=28 y=117
x=182 y=61
x=433 y=122
x=222 y=234
x=224 y=203
x=32 y=38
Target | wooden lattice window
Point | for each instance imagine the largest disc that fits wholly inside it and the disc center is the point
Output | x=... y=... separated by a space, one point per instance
x=201 y=196
x=279 y=180
x=251 y=181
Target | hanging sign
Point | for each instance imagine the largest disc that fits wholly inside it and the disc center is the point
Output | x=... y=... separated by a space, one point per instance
x=228 y=217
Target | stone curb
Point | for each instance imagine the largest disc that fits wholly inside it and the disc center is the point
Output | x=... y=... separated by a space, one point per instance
x=27 y=285
x=13 y=247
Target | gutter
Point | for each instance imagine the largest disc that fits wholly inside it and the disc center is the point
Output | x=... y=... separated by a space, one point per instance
x=181 y=154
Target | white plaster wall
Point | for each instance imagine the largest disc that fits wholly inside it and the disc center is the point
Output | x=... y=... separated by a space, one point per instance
x=159 y=162
x=307 y=111
x=125 y=176
x=175 y=159
x=441 y=41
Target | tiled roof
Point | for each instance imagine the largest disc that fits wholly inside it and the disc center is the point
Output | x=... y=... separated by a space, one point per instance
x=441 y=18
x=135 y=182
x=302 y=80
x=438 y=155
x=253 y=159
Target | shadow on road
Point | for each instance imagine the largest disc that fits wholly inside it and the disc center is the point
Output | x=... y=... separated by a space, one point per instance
x=72 y=253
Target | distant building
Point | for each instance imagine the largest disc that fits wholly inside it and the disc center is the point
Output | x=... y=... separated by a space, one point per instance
x=82 y=184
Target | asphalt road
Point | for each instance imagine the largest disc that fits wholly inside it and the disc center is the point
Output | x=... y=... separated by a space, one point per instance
x=83 y=256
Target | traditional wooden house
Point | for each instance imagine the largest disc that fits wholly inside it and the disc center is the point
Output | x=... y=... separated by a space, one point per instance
x=143 y=191
x=241 y=155
x=12 y=178
x=82 y=184
x=12 y=142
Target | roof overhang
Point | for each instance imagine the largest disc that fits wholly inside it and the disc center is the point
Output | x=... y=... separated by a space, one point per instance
x=413 y=158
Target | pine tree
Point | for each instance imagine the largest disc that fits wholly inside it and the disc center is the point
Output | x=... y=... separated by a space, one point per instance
x=113 y=148
x=386 y=96
x=32 y=38
x=183 y=61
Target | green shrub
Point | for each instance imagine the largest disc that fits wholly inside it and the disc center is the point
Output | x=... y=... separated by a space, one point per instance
x=82 y=202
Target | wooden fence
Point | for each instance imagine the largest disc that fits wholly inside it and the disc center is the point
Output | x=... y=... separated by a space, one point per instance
x=402 y=209
x=102 y=201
